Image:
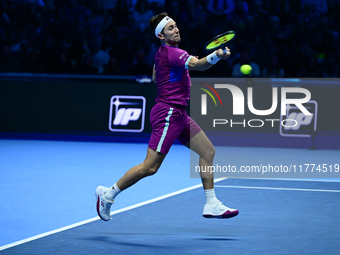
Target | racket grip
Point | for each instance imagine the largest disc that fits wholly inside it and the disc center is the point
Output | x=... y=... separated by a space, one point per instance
x=224 y=51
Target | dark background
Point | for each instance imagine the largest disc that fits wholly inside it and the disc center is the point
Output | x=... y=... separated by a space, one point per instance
x=61 y=61
x=71 y=106
x=284 y=38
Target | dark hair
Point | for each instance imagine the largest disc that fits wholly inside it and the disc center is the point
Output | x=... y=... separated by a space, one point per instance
x=154 y=21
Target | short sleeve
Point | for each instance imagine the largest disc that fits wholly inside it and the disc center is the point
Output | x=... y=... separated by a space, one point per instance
x=179 y=58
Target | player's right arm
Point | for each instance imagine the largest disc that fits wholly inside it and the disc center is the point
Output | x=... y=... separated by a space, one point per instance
x=199 y=64
x=203 y=63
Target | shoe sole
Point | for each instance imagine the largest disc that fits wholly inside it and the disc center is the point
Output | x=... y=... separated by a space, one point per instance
x=223 y=216
x=98 y=206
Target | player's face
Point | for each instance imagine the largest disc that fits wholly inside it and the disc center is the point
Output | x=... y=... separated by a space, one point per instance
x=171 y=33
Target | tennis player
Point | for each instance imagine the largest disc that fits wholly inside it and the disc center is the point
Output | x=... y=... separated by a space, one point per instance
x=170 y=121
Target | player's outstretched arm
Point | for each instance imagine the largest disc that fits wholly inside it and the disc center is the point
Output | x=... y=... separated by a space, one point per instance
x=208 y=61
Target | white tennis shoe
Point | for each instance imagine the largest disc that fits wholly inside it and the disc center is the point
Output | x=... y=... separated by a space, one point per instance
x=218 y=210
x=103 y=206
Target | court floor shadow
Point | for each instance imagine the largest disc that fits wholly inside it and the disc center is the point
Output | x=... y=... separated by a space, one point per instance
x=112 y=241
x=217 y=239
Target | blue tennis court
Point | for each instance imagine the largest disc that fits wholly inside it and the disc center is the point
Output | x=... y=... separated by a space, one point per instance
x=48 y=205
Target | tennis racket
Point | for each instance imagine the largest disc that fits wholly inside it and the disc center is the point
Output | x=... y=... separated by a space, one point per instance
x=220 y=41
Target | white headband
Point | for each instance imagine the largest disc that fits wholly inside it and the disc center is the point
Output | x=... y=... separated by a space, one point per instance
x=161 y=25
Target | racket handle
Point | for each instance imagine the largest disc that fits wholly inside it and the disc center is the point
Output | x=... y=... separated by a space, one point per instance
x=224 y=51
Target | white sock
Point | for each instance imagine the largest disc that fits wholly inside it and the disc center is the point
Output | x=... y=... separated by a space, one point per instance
x=112 y=192
x=211 y=197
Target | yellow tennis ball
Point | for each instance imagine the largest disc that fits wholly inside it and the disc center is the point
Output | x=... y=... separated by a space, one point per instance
x=246 y=69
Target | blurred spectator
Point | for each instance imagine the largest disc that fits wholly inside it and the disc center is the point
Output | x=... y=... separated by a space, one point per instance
x=122 y=12
x=4 y=11
x=125 y=56
x=245 y=60
x=250 y=31
x=192 y=8
x=150 y=47
x=198 y=13
x=99 y=57
x=96 y=20
x=319 y=5
x=48 y=53
x=23 y=51
x=109 y=4
x=260 y=14
x=75 y=54
x=291 y=60
x=260 y=55
x=221 y=10
x=273 y=69
x=112 y=67
x=241 y=10
x=3 y=34
x=300 y=32
x=107 y=42
x=295 y=7
x=8 y=63
x=140 y=67
x=49 y=6
x=310 y=15
x=33 y=63
x=63 y=65
x=76 y=9
x=142 y=14
x=297 y=31
x=287 y=14
x=87 y=66
x=319 y=46
x=172 y=7
x=273 y=28
x=330 y=69
x=311 y=69
x=337 y=55
x=334 y=11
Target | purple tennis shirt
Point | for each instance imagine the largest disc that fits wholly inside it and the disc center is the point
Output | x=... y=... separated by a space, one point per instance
x=172 y=75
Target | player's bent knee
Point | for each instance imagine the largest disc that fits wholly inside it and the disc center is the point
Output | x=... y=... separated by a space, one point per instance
x=213 y=151
x=209 y=153
x=152 y=170
x=148 y=170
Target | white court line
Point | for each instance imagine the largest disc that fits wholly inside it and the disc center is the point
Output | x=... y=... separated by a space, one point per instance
x=97 y=218
x=270 y=188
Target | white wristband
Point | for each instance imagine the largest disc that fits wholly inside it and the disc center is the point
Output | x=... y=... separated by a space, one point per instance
x=213 y=58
